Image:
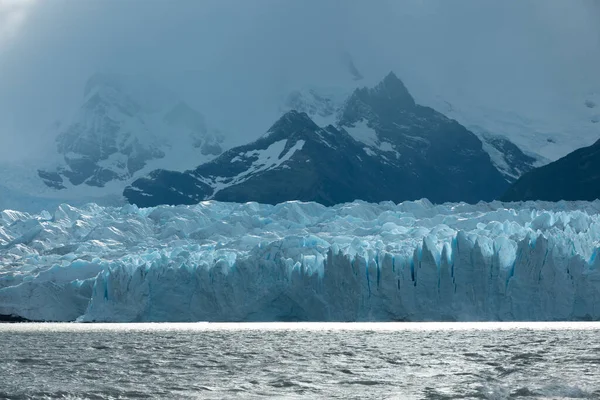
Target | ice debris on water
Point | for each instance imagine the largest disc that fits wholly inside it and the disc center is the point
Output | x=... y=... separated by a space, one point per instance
x=303 y=261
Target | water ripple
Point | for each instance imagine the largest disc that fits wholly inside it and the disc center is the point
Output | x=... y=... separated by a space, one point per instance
x=328 y=361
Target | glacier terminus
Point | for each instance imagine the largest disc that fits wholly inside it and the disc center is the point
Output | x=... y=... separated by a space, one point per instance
x=297 y=261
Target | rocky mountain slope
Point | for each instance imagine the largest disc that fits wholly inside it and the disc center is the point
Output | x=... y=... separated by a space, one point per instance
x=573 y=177
x=326 y=105
x=385 y=147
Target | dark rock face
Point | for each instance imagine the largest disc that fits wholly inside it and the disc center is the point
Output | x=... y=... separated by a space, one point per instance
x=438 y=158
x=573 y=177
x=12 y=318
x=412 y=152
x=51 y=179
x=387 y=102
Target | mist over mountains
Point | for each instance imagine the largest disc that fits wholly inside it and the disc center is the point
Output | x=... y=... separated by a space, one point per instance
x=519 y=68
x=521 y=76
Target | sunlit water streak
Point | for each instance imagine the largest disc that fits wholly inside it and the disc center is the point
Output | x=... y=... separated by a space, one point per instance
x=301 y=360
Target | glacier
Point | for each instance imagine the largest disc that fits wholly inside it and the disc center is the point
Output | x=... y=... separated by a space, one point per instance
x=413 y=261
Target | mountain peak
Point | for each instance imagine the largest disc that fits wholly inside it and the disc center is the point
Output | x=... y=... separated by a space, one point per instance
x=293 y=120
x=295 y=115
x=391 y=76
x=393 y=88
x=389 y=97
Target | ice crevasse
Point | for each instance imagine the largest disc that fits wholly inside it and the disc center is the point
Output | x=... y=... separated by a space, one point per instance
x=296 y=261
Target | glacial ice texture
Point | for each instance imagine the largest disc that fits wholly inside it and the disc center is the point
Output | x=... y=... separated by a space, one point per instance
x=303 y=261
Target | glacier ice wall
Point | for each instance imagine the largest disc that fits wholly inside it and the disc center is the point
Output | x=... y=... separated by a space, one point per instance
x=303 y=261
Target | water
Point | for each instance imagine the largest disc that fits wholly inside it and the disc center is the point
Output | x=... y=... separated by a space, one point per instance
x=287 y=360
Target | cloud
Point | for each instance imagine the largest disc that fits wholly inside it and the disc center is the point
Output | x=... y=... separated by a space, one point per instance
x=232 y=59
x=12 y=15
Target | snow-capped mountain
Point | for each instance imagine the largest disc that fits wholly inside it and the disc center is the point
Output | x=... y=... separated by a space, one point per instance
x=326 y=105
x=124 y=126
x=545 y=135
x=322 y=105
x=573 y=177
x=386 y=147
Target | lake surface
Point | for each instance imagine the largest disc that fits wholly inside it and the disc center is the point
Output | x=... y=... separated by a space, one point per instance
x=301 y=360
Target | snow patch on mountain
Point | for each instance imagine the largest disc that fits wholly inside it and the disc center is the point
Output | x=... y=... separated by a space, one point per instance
x=262 y=160
x=321 y=104
x=362 y=132
x=547 y=137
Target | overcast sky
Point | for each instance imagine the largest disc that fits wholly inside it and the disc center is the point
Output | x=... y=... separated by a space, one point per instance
x=231 y=59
